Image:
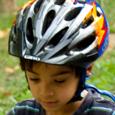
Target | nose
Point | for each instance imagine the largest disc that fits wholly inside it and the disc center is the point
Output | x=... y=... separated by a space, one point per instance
x=47 y=90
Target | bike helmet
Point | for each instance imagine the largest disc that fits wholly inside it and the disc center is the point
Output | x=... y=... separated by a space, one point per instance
x=64 y=32
x=60 y=32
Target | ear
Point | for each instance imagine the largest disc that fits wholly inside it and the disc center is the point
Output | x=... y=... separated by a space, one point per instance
x=89 y=69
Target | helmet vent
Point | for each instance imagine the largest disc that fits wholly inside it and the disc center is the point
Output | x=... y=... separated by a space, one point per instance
x=29 y=32
x=59 y=2
x=85 y=42
x=73 y=14
x=48 y=20
x=56 y=39
x=88 y=22
x=37 y=6
x=98 y=13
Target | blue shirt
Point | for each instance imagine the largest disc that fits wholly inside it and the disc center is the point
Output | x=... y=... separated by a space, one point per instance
x=93 y=104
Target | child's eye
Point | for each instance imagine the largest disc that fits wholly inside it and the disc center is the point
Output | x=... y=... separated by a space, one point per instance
x=60 y=81
x=35 y=80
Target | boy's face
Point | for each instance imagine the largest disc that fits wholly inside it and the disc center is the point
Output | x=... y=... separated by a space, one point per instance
x=51 y=85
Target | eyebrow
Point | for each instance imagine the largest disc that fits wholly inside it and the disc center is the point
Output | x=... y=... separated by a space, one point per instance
x=60 y=73
x=33 y=72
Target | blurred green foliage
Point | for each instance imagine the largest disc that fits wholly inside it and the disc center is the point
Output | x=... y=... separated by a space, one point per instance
x=20 y=2
x=104 y=71
x=108 y=6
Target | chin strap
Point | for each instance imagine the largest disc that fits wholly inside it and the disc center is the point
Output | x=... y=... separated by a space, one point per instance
x=81 y=87
x=102 y=92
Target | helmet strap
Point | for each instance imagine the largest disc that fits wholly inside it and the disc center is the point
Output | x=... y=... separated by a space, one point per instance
x=81 y=87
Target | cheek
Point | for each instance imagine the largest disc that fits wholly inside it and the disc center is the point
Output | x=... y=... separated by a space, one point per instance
x=35 y=93
x=34 y=89
x=68 y=91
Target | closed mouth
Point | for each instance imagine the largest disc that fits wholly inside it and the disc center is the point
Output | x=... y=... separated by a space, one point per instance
x=49 y=103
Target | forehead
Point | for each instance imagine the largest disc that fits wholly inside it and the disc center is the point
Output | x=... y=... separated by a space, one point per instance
x=49 y=68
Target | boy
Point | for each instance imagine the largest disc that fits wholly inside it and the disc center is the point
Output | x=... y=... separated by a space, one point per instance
x=57 y=42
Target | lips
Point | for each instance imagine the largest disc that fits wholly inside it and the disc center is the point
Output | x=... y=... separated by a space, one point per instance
x=49 y=103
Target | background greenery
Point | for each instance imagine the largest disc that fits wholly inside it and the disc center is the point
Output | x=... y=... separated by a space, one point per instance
x=13 y=86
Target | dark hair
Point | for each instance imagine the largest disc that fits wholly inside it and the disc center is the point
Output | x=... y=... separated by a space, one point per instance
x=27 y=64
